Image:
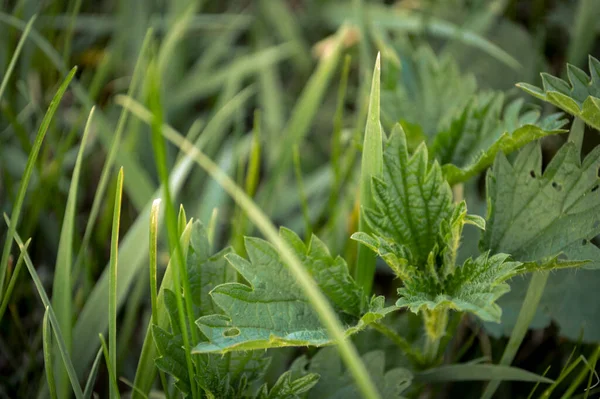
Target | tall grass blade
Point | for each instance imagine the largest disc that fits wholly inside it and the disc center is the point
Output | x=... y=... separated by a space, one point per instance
x=53 y=321
x=18 y=204
x=371 y=165
x=112 y=285
x=47 y=347
x=584 y=31
x=89 y=385
x=13 y=280
x=114 y=387
x=62 y=287
x=256 y=215
x=15 y=56
x=180 y=278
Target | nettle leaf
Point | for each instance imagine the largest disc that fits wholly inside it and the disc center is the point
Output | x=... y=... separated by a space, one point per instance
x=337 y=383
x=580 y=98
x=273 y=311
x=429 y=93
x=224 y=376
x=417 y=230
x=412 y=200
x=482 y=130
x=537 y=215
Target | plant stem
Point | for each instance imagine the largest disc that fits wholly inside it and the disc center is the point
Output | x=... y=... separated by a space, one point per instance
x=435 y=322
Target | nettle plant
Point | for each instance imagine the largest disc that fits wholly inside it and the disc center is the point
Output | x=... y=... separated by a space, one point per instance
x=538 y=219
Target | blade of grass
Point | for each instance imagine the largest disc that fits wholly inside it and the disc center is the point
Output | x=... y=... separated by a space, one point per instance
x=62 y=287
x=302 y=193
x=479 y=372
x=18 y=204
x=577 y=381
x=255 y=214
x=304 y=111
x=112 y=280
x=583 y=36
x=47 y=346
x=180 y=278
x=13 y=281
x=15 y=56
x=69 y=31
x=89 y=385
x=53 y=321
x=111 y=371
x=146 y=369
x=371 y=165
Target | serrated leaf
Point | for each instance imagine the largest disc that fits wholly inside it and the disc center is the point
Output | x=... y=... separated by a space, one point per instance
x=412 y=199
x=580 y=97
x=273 y=311
x=336 y=383
x=473 y=287
x=287 y=387
x=474 y=138
x=554 y=214
x=534 y=215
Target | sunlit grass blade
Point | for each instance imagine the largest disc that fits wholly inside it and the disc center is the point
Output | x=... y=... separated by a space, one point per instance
x=114 y=387
x=15 y=56
x=180 y=278
x=153 y=256
x=256 y=215
x=62 y=287
x=13 y=280
x=371 y=165
x=31 y=160
x=146 y=369
x=89 y=385
x=47 y=347
x=54 y=322
x=112 y=285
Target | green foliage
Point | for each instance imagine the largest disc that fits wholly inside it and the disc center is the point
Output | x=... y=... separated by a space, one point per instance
x=580 y=98
x=537 y=215
x=336 y=383
x=272 y=311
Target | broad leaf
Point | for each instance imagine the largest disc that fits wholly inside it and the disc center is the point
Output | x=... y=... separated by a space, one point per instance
x=273 y=311
x=336 y=383
x=534 y=215
x=412 y=199
x=429 y=92
x=580 y=98
x=482 y=130
x=226 y=376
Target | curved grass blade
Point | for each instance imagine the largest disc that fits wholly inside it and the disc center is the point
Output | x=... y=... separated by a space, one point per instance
x=89 y=385
x=479 y=372
x=255 y=214
x=15 y=56
x=47 y=347
x=62 y=287
x=13 y=280
x=18 y=204
x=54 y=322
x=111 y=371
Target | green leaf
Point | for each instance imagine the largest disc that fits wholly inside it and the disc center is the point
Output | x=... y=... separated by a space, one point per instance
x=473 y=287
x=535 y=216
x=478 y=372
x=580 y=98
x=336 y=383
x=273 y=311
x=412 y=199
x=430 y=92
x=482 y=130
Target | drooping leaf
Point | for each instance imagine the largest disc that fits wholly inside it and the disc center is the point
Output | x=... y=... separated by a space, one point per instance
x=273 y=311
x=336 y=383
x=482 y=130
x=580 y=98
x=429 y=93
x=534 y=215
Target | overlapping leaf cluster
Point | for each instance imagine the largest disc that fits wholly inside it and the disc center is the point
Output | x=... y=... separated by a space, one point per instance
x=464 y=129
x=580 y=98
x=232 y=375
